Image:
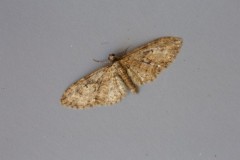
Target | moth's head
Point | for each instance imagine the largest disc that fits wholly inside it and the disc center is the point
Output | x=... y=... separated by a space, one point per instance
x=112 y=57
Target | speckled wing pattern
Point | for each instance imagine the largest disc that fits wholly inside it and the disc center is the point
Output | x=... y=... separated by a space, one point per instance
x=146 y=62
x=110 y=84
x=102 y=87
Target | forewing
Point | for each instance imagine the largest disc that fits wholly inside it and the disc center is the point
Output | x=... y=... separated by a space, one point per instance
x=102 y=87
x=144 y=63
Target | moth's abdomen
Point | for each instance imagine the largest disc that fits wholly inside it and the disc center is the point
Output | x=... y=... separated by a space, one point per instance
x=125 y=77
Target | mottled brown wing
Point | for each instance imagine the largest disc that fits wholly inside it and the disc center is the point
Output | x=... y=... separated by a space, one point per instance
x=102 y=87
x=144 y=63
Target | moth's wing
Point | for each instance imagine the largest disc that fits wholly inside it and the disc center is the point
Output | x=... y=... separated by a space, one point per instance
x=144 y=63
x=102 y=87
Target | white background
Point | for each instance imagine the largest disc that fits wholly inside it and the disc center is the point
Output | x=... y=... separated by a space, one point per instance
x=191 y=112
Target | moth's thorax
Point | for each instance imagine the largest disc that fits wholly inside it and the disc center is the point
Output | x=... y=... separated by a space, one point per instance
x=122 y=72
x=112 y=58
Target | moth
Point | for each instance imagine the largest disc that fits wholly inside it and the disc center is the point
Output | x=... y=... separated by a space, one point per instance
x=108 y=85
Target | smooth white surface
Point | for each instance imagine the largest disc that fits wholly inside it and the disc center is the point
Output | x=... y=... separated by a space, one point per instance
x=191 y=112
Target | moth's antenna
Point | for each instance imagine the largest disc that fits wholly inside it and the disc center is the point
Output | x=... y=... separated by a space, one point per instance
x=101 y=61
x=107 y=60
x=124 y=51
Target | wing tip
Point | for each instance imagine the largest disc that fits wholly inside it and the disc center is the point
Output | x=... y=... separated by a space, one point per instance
x=177 y=40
